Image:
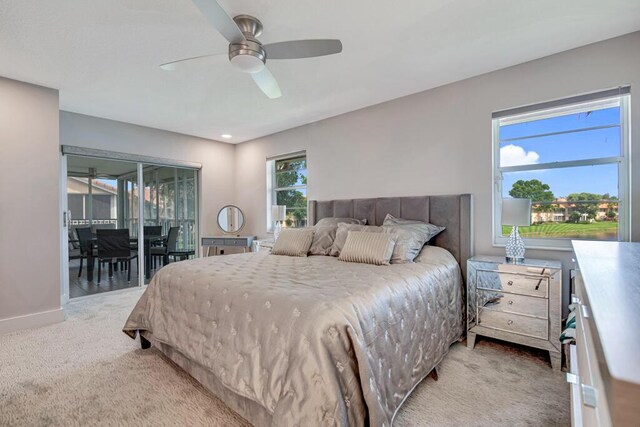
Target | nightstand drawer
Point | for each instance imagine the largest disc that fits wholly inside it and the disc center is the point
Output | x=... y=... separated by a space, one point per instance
x=509 y=322
x=514 y=303
x=515 y=283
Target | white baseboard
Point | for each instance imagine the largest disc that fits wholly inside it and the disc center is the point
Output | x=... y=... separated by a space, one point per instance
x=28 y=321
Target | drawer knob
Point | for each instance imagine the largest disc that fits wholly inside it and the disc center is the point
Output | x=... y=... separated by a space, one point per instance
x=510 y=283
x=509 y=322
x=510 y=302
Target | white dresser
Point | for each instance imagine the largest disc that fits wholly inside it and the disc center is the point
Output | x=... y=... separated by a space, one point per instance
x=605 y=362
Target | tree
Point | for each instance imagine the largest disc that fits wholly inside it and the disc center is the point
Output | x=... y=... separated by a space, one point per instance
x=575 y=217
x=536 y=191
x=586 y=203
x=532 y=189
x=292 y=172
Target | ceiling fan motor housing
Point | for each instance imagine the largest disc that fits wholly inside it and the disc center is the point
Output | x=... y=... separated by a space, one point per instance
x=248 y=56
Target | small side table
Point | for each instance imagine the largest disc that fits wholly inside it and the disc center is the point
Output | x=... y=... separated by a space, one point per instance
x=520 y=303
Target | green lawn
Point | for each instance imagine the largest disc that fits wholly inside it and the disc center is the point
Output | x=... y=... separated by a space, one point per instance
x=594 y=230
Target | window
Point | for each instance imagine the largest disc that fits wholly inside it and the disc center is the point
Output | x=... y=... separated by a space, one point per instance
x=287 y=178
x=571 y=158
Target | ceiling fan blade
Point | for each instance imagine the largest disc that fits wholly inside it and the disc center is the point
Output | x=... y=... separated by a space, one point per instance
x=267 y=83
x=302 y=48
x=170 y=66
x=220 y=20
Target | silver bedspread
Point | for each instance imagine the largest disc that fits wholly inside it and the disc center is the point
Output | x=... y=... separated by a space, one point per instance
x=315 y=341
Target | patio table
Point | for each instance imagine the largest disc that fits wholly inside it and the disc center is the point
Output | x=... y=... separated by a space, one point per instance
x=148 y=240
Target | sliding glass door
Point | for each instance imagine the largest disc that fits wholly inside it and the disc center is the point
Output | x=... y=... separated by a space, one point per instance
x=171 y=203
x=159 y=218
x=101 y=194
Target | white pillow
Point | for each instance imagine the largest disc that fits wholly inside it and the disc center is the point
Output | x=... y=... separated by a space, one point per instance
x=293 y=242
x=368 y=248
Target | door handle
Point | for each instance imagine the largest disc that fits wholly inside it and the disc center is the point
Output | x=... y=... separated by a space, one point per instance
x=585 y=311
x=589 y=396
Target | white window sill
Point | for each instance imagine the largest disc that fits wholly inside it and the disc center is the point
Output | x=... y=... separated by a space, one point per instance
x=540 y=247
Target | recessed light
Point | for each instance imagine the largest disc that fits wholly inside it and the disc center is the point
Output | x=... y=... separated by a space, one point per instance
x=225 y=136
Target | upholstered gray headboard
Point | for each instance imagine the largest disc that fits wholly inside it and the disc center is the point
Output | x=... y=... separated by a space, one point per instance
x=453 y=212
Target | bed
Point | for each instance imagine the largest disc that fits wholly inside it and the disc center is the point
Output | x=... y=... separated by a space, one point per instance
x=289 y=341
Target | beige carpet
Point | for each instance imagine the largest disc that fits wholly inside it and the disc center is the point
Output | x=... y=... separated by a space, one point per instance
x=85 y=371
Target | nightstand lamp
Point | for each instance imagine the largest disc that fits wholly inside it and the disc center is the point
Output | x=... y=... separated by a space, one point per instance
x=278 y=214
x=517 y=213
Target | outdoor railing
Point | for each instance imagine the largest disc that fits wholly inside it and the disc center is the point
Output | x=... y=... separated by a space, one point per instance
x=187 y=238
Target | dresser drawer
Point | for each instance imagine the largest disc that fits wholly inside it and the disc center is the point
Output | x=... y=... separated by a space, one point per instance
x=235 y=242
x=515 y=323
x=595 y=412
x=514 y=303
x=212 y=241
x=517 y=283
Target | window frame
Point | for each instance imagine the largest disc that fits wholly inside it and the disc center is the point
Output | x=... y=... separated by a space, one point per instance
x=271 y=183
x=623 y=161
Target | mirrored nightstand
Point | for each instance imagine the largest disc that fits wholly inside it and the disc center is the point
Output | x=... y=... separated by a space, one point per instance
x=263 y=245
x=519 y=303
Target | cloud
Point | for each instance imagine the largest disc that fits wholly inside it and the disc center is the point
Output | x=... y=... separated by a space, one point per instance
x=514 y=155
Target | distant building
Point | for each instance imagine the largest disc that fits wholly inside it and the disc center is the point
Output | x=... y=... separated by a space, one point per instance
x=104 y=196
x=561 y=210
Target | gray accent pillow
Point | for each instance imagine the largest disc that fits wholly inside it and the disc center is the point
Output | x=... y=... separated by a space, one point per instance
x=343 y=232
x=412 y=236
x=333 y=221
x=323 y=238
x=368 y=248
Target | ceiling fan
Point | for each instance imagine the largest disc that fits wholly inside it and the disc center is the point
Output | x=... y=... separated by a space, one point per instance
x=248 y=55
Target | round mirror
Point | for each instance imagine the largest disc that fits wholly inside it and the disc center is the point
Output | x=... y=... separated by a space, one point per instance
x=230 y=219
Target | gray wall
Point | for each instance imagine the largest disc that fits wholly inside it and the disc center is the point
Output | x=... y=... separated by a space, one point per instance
x=217 y=158
x=29 y=208
x=438 y=141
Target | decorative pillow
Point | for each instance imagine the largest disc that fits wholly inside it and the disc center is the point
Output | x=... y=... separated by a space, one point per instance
x=333 y=221
x=323 y=238
x=392 y=220
x=342 y=232
x=412 y=236
x=293 y=242
x=368 y=248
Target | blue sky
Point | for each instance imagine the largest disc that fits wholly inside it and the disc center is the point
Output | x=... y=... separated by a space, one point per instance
x=573 y=146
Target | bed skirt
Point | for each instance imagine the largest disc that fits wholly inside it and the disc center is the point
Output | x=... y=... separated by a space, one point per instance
x=246 y=408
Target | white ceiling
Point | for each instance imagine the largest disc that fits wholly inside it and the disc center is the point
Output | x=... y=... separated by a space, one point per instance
x=103 y=55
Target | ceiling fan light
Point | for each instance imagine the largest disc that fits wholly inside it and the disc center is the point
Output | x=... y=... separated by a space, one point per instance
x=247 y=63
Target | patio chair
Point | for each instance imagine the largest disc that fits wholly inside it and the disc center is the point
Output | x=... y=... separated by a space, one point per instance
x=152 y=230
x=172 y=246
x=74 y=247
x=113 y=247
x=171 y=249
x=85 y=242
